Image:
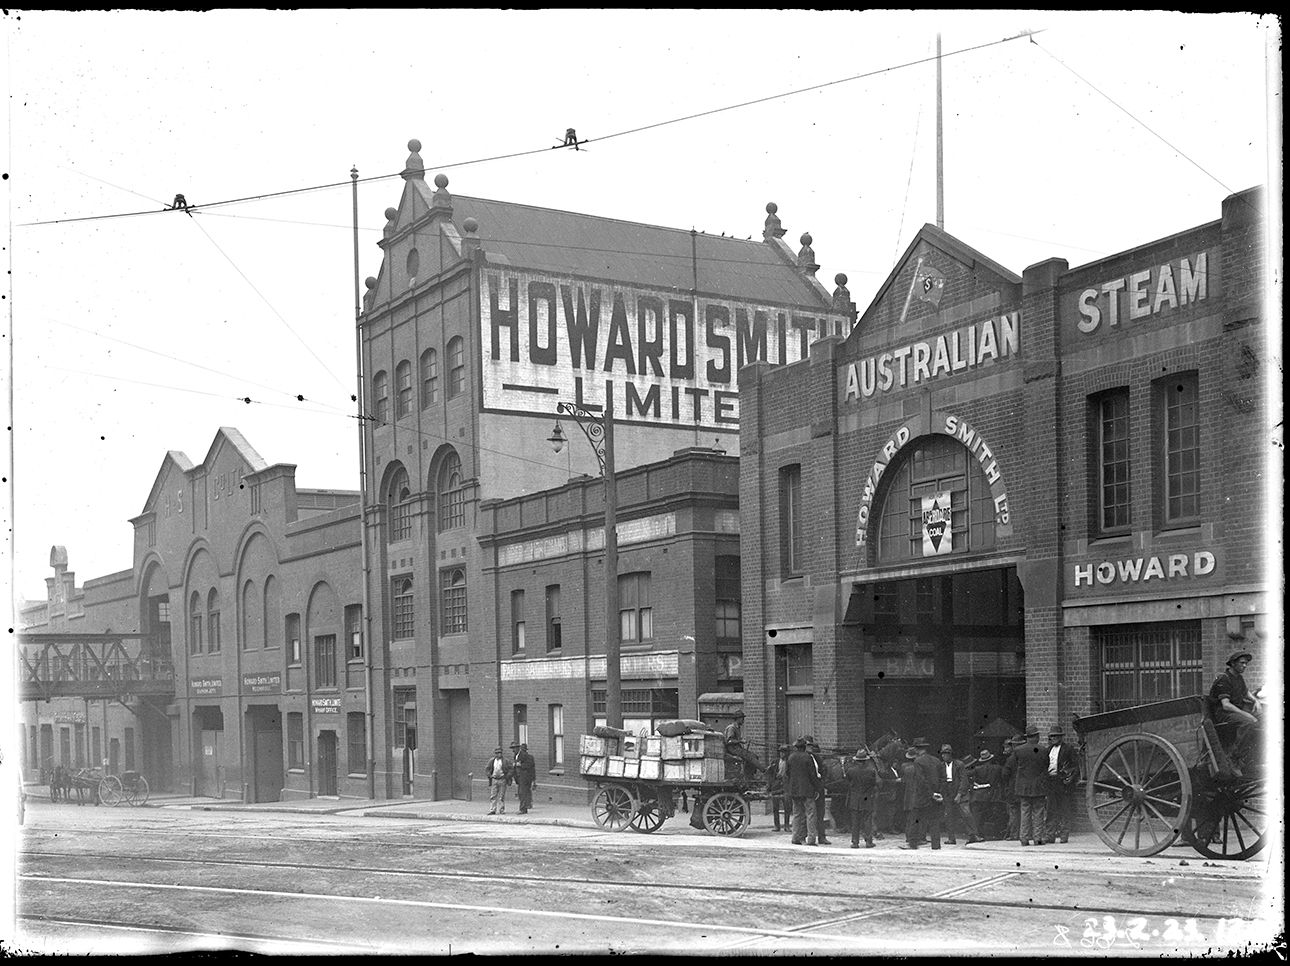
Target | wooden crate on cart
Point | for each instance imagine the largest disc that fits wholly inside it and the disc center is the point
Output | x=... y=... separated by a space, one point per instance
x=709 y=745
x=593 y=764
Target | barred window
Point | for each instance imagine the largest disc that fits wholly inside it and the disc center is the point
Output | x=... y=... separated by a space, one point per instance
x=1116 y=512
x=1182 y=448
x=212 y=622
x=452 y=494
x=403 y=610
x=635 y=614
x=356 y=732
x=642 y=707
x=452 y=600
x=1142 y=663
x=400 y=504
x=195 y=623
x=429 y=378
x=325 y=660
x=403 y=382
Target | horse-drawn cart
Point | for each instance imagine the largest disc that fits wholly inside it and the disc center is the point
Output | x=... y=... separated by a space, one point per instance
x=1158 y=772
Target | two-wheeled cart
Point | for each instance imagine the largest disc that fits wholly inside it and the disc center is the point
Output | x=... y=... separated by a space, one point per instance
x=643 y=805
x=1158 y=772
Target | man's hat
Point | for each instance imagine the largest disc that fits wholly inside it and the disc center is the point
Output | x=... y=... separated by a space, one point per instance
x=1237 y=655
x=515 y=744
x=784 y=748
x=497 y=750
x=809 y=739
x=1032 y=731
x=911 y=753
x=524 y=746
x=922 y=743
x=1056 y=733
x=984 y=755
x=945 y=748
x=862 y=754
x=740 y=714
x=800 y=743
x=1018 y=739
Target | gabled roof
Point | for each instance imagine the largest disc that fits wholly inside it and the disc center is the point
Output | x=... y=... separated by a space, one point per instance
x=230 y=434
x=566 y=242
x=174 y=457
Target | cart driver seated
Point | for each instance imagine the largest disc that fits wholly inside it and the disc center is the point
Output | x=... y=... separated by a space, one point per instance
x=1232 y=709
x=735 y=747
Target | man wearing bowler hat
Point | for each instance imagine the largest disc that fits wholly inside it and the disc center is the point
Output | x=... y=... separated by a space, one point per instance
x=1061 y=776
x=1028 y=765
x=1230 y=705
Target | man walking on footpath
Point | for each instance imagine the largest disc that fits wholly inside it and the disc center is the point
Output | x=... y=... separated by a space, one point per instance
x=1063 y=773
x=958 y=817
x=525 y=775
x=862 y=794
x=499 y=772
x=1029 y=765
x=802 y=785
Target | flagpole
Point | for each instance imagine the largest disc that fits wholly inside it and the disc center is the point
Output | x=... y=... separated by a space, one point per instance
x=914 y=281
x=940 y=149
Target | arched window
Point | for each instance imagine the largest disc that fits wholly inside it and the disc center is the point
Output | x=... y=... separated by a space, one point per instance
x=195 y=624
x=212 y=622
x=252 y=617
x=452 y=601
x=381 y=397
x=414 y=264
x=429 y=378
x=400 y=507
x=456 y=367
x=272 y=612
x=452 y=494
x=403 y=382
x=935 y=468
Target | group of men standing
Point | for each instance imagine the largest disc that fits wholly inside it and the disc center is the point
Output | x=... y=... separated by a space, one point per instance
x=501 y=771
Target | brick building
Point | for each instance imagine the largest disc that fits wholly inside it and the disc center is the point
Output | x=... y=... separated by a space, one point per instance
x=483 y=317
x=1011 y=498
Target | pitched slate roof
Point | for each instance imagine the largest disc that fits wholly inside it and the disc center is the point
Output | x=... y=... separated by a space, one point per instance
x=566 y=242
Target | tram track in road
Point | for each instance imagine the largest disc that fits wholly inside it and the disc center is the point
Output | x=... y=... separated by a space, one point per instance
x=954 y=896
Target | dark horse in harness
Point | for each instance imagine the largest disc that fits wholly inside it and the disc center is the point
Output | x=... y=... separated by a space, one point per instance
x=889 y=753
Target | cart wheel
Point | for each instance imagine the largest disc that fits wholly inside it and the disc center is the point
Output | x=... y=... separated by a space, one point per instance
x=1139 y=794
x=649 y=815
x=614 y=808
x=138 y=792
x=110 y=791
x=726 y=813
x=1229 y=820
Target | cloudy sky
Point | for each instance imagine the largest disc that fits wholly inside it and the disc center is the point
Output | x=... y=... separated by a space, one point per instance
x=137 y=335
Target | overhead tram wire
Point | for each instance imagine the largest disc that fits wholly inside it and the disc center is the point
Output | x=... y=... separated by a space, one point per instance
x=543 y=150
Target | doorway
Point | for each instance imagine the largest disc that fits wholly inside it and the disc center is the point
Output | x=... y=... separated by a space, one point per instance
x=327 y=763
x=459 y=743
x=208 y=730
x=264 y=729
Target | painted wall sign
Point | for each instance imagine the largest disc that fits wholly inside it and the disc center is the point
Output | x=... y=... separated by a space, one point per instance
x=978 y=344
x=917 y=663
x=73 y=717
x=204 y=687
x=670 y=360
x=1173 y=285
x=950 y=425
x=937 y=532
x=1141 y=570
x=270 y=683
x=325 y=705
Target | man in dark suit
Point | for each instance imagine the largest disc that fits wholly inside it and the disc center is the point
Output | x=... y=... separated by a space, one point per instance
x=1009 y=786
x=1029 y=765
x=986 y=779
x=958 y=790
x=821 y=794
x=862 y=794
x=525 y=775
x=1062 y=774
x=802 y=784
x=924 y=796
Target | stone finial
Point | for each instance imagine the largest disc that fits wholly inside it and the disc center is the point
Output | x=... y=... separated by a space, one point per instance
x=773 y=227
x=370 y=282
x=441 y=200
x=470 y=243
x=842 y=297
x=390 y=215
x=414 y=168
x=806 y=257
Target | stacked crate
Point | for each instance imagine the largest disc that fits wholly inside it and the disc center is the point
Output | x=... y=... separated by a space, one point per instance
x=694 y=757
x=595 y=754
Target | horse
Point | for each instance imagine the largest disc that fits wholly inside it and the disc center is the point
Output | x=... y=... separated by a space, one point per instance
x=60 y=784
x=83 y=780
x=889 y=753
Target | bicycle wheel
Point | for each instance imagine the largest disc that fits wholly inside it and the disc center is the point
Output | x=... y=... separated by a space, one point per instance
x=110 y=791
x=137 y=793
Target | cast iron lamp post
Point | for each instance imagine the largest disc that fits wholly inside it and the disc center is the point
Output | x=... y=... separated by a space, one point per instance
x=599 y=431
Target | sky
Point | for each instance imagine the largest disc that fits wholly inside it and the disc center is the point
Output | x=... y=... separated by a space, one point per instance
x=132 y=336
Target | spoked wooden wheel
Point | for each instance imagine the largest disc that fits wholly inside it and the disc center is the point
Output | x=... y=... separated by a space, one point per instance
x=726 y=813
x=110 y=791
x=614 y=808
x=137 y=793
x=649 y=815
x=1230 y=819
x=1139 y=795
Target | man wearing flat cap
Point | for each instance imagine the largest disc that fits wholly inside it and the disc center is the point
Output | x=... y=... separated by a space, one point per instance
x=1063 y=773
x=1231 y=707
x=499 y=772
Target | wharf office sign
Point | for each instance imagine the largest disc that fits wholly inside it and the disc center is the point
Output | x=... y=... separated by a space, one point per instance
x=669 y=359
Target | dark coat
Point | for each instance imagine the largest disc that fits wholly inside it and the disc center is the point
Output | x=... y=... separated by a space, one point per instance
x=1029 y=766
x=933 y=771
x=917 y=793
x=803 y=777
x=525 y=768
x=862 y=785
x=508 y=770
x=960 y=788
x=1067 y=768
x=988 y=774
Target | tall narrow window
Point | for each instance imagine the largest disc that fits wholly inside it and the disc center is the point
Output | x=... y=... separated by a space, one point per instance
x=195 y=623
x=381 y=397
x=522 y=724
x=429 y=378
x=635 y=613
x=557 y=735
x=1182 y=448
x=518 y=637
x=452 y=600
x=554 y=634
x=403 y=386
x=790 y=520
x=252 y=618
x=354 y=632
x=403 y=611
x=1116 y=511
x=293 y=639
x=452 y=493
x=295 y=740
x=272 y=612
x=400 y=505
x=325 y=660
x=212 y=621
x=727 y=598
x=356 y=734
x=456 y=367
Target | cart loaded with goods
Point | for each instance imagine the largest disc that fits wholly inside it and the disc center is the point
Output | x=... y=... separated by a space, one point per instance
x=641 y=778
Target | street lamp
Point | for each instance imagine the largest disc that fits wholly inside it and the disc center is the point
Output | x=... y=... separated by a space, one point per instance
x=600 y=434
